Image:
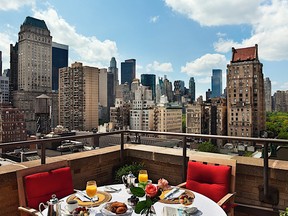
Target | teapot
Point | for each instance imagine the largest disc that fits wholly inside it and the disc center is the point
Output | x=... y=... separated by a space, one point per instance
x=53 y=205
x=129 y=180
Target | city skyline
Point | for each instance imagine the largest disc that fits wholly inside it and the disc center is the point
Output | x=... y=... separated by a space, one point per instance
x=177 y=39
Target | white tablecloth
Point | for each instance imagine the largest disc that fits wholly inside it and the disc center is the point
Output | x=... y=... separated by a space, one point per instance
x=205 y=205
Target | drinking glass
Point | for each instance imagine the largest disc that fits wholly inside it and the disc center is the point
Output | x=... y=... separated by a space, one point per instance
x=91 y=189
x=142 y=178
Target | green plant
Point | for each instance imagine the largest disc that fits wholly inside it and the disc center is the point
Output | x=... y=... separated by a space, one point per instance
x=125 y=169
x=207 y=147
x=285 y=213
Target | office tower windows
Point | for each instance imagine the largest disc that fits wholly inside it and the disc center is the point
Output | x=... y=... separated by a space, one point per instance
x=150 y=81
x=0 y=63
x=245 y=93
x=78 y=97
x=34 y=56
x=268 y=98
x=192 y=89
x=216 y=82
x=128 y=71
x=59 y=60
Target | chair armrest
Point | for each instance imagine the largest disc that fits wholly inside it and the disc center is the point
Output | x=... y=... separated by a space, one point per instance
x=29 y=211
x=226 y=198
x=182 y=185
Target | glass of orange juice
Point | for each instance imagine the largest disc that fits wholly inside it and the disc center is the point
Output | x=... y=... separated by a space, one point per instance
x=91 y=189
x=142 y=178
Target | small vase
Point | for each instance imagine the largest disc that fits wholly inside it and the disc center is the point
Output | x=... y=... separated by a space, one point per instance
x=149 y=212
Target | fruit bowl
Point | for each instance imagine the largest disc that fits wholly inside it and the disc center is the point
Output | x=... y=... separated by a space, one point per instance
x=115 y=208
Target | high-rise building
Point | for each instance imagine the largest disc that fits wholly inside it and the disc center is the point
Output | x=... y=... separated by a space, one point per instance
x=166 y=88
x=216 y=83
x=34 y=56
x=114 y=70
x=13 y=78
x=150 y=81
x=268 y=95
x=280 y=101
x=208 y=94
x=33 y=72
x=106 y=80
x=4 y=90
x=245 y=93
x=179 y=90
x=78 y=97
x=192 y=89
x=128 y=71
x=141 y=114
x=59 y=60
x=12 y=125
x=0 y=63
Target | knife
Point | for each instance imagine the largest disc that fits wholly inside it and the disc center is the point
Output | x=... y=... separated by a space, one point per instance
x=173 y=191
x=94 y=199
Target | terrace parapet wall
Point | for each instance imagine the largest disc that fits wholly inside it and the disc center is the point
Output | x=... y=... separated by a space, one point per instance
x=160 y=162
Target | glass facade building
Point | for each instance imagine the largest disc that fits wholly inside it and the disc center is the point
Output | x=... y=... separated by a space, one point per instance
x=128 y=71
x=216 y=81
x=192 y=89
x=59 y=60
x=149 y=80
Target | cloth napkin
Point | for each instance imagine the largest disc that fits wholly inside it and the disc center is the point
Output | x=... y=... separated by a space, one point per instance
x=82 y=197
x=174 y=194
x=173 y=211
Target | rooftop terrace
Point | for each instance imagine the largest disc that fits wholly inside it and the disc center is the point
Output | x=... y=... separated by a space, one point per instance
x=255 y=177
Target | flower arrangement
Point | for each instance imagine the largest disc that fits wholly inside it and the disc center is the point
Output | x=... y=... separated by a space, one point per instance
x=152 y=192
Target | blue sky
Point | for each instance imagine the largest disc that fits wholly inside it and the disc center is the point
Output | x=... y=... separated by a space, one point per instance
x=177 y=38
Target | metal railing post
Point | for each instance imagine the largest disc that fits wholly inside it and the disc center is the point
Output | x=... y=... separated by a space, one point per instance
x=184 y=173
x=122 y=148
x=266 y=170
x=43 y=153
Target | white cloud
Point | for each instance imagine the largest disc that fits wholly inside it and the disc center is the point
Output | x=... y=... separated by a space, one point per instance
x=268 y=19
x=205 y=80
x=214 y=13
x=88 y=50
x=154 y=19
x=5 y=42
x=6 y=5
x=159 y=67
x=269 y=31
x=204 y=65
x=221 y=34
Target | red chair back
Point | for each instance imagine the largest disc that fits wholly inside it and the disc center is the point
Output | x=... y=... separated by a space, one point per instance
x=210 y=180
x=40 y=186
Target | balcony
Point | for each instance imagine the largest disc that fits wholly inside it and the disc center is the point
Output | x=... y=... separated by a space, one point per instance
x=100 y=164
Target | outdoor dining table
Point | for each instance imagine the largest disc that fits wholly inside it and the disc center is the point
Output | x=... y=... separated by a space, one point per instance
x=205 y=206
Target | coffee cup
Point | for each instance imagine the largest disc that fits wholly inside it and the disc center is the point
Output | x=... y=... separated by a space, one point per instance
x=71 y=205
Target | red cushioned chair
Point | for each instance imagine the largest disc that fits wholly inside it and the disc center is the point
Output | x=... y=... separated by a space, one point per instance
x=38 y=184
x=213 y=180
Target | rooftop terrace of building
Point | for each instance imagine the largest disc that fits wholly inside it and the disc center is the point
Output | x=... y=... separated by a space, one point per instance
x=100 y=164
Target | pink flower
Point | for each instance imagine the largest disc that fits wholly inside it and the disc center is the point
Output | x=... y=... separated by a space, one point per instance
x=163 y=183
x=151 y=190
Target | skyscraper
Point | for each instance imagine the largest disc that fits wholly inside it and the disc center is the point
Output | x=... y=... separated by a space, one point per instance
x=34 y=56
x=78 y=97
x=13 y=78
x=245 y=93
x=268 y=99
x=114 y=70
x=0 y=63
x=34 y=71
x=59 y=60
x=179 y=89
x=128 y=71
x=192 y=89
x=216 y=83
x=113 y=82
x=150 y=81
